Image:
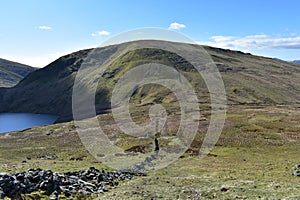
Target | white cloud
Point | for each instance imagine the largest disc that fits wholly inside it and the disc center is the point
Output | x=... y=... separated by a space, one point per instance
x=100 y=33
x=45 y=27
x=176 y=26
x=255 y=41
x=103 y=32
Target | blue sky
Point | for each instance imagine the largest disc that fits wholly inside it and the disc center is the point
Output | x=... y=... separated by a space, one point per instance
x=36 y=32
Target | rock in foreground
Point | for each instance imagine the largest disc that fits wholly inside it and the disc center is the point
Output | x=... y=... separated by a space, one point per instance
x=69 y=183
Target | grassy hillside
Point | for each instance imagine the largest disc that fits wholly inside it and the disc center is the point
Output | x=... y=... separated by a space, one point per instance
x=11 y=72
x=248 y=80
x=253 y=158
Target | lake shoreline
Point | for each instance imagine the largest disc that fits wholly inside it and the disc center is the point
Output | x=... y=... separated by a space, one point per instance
x=19 y=121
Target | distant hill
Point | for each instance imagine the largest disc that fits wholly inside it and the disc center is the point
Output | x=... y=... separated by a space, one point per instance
x=296 y=61
x=248 y=79
x=11 y=72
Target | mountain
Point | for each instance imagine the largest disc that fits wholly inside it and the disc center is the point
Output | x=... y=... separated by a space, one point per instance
x=296 y=61
x=248 y=79
x=11 y=72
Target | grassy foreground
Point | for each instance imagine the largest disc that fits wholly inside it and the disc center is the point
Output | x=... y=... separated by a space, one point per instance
x=253 y=158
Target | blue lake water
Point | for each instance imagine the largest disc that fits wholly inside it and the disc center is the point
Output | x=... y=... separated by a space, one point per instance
x=18 y=121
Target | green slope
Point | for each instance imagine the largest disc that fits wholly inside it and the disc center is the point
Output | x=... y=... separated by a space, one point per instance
x=248 y=79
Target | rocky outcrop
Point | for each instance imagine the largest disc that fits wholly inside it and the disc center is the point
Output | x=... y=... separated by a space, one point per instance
x=54 y=183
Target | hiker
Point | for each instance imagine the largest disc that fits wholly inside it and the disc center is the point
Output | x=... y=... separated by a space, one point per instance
x=156 y=143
